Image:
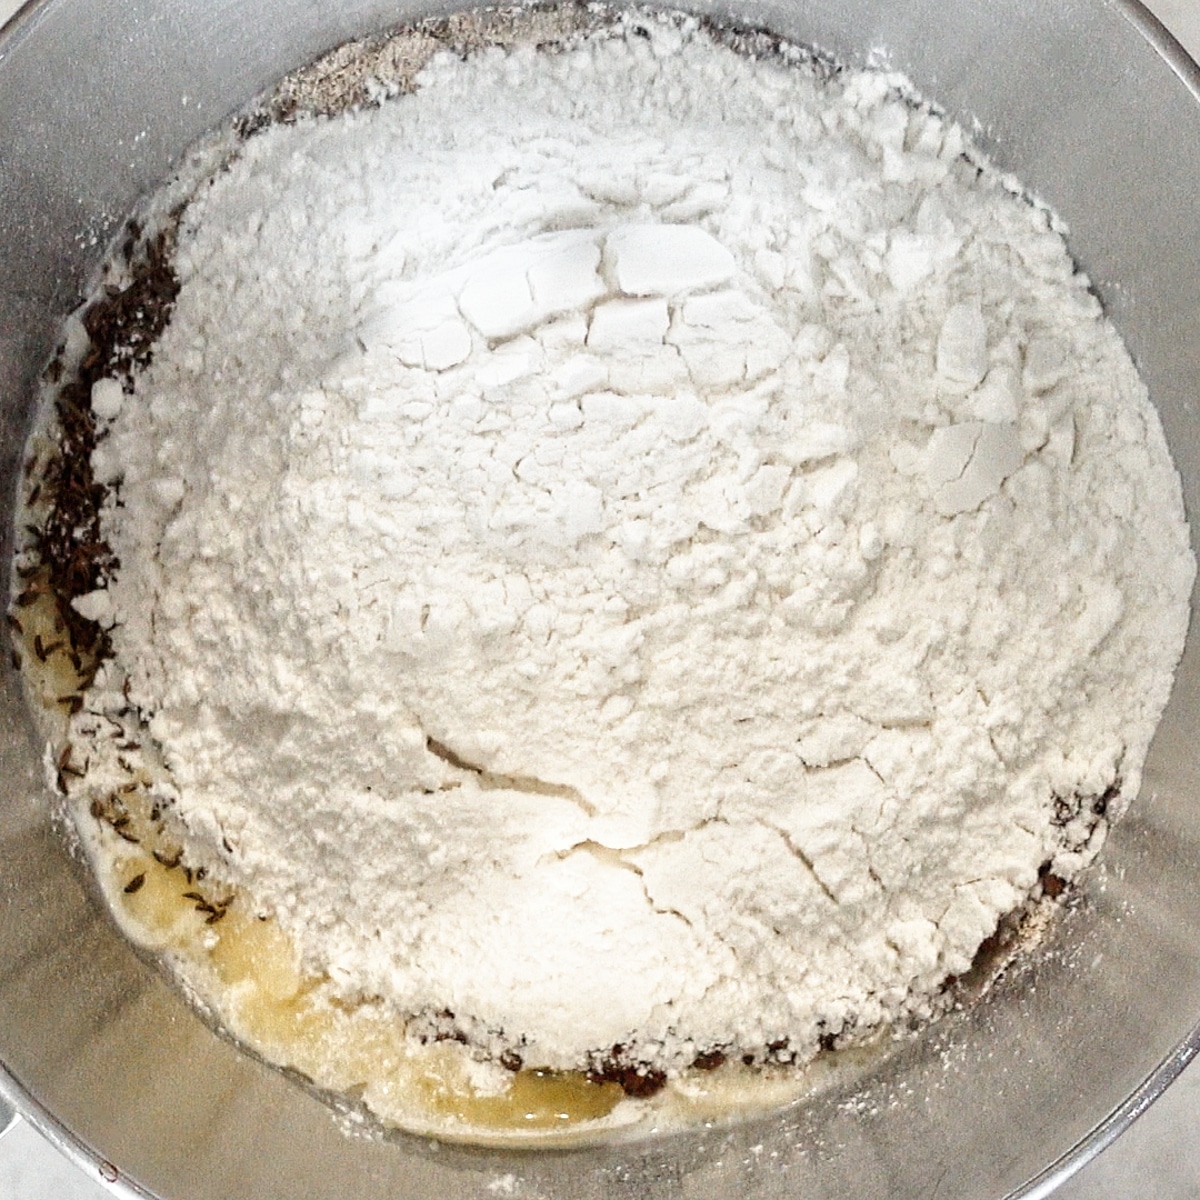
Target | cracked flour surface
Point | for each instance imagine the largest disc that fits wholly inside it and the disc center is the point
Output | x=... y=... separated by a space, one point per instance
x=637 y=546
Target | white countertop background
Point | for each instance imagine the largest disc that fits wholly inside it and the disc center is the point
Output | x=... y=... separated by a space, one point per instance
x=1157 y=1159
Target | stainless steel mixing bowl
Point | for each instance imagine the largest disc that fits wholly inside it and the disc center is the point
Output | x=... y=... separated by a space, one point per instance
x=1098 y=112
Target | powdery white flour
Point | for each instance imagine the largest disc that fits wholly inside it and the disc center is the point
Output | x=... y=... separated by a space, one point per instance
x=636 y=546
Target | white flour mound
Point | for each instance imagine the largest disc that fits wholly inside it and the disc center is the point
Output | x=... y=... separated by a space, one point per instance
x=638 y=546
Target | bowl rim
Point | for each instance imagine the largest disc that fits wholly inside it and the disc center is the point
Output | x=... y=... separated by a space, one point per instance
x=1042 y=1186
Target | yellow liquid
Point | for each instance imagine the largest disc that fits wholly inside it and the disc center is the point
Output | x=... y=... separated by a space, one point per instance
x=249 y=972
x=265 y=999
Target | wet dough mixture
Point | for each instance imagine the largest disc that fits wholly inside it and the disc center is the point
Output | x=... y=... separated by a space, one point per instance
x=634 y=555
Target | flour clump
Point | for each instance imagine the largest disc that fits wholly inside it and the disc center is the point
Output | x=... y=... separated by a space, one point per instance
x=634 y=551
